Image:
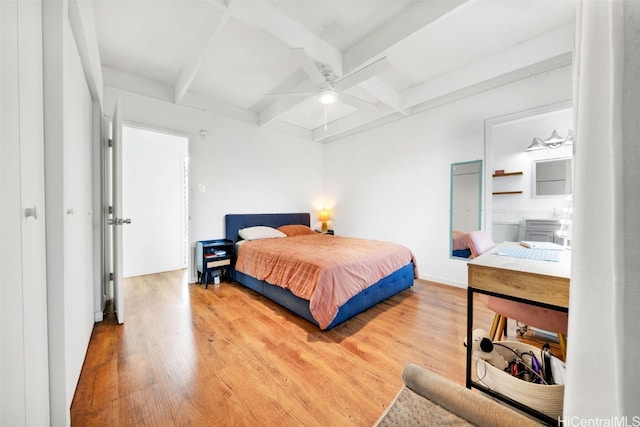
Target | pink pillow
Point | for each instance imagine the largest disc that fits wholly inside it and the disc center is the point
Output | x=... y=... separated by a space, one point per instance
x=295 y=230
x=479 y=242
x=459 y=241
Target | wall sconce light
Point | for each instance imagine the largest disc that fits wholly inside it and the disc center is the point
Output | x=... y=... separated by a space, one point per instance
x=554 y=141
x=324 y=216
x=536 y=144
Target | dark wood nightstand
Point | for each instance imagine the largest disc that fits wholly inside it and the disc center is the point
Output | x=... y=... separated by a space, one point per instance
x=213 y=256
x=325 y=232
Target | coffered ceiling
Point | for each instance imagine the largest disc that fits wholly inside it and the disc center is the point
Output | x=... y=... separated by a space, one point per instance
x=395 y=57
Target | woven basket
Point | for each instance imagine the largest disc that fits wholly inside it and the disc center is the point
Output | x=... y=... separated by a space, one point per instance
x=543 y=398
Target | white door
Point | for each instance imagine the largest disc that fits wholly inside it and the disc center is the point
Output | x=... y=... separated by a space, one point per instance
x=24 y=359
x=117 y=221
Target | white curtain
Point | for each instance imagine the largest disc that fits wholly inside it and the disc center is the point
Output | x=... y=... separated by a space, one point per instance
x=603 y=359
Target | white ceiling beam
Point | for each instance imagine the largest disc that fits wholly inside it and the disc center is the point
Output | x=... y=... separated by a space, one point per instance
x=297 y=82
x=290 y=129
x=193 y=65
x=546 y=66
x=136 y=84
x=555 y=46
x=350 y=125
x=347 y=123
x=357 y=78
x=121 y=80
x=547 y=52
x=363 y=74
x=84 y=31
x=276 y=109
x=272 y=20
x=408 y=23
x=385 y=93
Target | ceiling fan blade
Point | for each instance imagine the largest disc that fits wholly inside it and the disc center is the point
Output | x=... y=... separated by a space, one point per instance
x=363 y=74
x=309 y=66
x=357 y=102
x=290 y=94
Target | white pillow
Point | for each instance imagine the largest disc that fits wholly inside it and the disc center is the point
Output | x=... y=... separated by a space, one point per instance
x=260 y=232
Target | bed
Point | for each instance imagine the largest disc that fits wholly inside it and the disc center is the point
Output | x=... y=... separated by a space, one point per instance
x=394 y=282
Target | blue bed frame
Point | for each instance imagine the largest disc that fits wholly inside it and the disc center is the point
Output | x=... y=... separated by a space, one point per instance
x=388 y=286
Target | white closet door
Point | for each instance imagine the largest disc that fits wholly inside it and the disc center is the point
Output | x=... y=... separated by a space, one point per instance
x=24 y=371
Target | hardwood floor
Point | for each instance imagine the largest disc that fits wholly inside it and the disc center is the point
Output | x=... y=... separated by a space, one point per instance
x=227 y=356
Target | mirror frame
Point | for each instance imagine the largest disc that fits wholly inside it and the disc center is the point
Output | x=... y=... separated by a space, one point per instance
x=534 y=177
x=479 y=227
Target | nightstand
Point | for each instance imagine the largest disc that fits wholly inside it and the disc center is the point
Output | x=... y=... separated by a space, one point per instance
x=213 y=256
x=325 y=232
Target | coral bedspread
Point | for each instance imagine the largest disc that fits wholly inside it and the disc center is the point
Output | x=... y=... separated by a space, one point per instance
x=324 y=269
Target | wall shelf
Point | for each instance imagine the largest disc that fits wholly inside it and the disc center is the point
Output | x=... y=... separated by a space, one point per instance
x=499 y=175
x=507 y=192
x=496 y=175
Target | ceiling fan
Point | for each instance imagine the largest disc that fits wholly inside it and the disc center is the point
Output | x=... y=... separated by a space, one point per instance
x=330 y=87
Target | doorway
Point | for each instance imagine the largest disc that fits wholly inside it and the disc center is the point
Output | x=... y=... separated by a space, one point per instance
x=511 y=198
x=155 y=177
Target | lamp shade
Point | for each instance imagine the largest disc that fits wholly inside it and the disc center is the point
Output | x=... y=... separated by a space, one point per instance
x=554 y=141
x=536 y=144
x=324 y=215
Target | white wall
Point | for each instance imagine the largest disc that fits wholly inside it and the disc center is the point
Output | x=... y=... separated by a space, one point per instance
x=242 y=168
x=392 y=182
x=153 y=197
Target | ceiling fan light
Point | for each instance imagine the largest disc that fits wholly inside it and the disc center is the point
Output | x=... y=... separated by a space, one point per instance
x=328 y=96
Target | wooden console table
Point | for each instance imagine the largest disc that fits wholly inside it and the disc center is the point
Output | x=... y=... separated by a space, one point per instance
x=540 y=283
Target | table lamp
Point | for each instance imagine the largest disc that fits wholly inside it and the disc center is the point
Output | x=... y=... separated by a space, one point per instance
x=324 y=215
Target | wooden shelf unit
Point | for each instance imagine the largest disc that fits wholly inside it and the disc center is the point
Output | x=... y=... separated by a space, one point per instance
x=495 y=175
x=507 y=192
x=499 y=175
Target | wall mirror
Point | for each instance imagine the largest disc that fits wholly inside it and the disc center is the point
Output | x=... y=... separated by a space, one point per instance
x=466 y=202
x=552 y=177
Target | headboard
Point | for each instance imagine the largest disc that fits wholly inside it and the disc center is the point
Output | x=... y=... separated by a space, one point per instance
x=235 y=222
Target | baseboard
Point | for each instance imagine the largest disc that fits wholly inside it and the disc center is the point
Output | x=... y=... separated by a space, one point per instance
x=444 y=281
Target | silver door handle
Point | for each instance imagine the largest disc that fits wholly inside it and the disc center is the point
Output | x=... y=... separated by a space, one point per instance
x=118 y=221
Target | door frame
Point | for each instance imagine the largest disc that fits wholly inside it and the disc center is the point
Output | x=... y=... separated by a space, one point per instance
x=489 y=124
x=106 y=267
